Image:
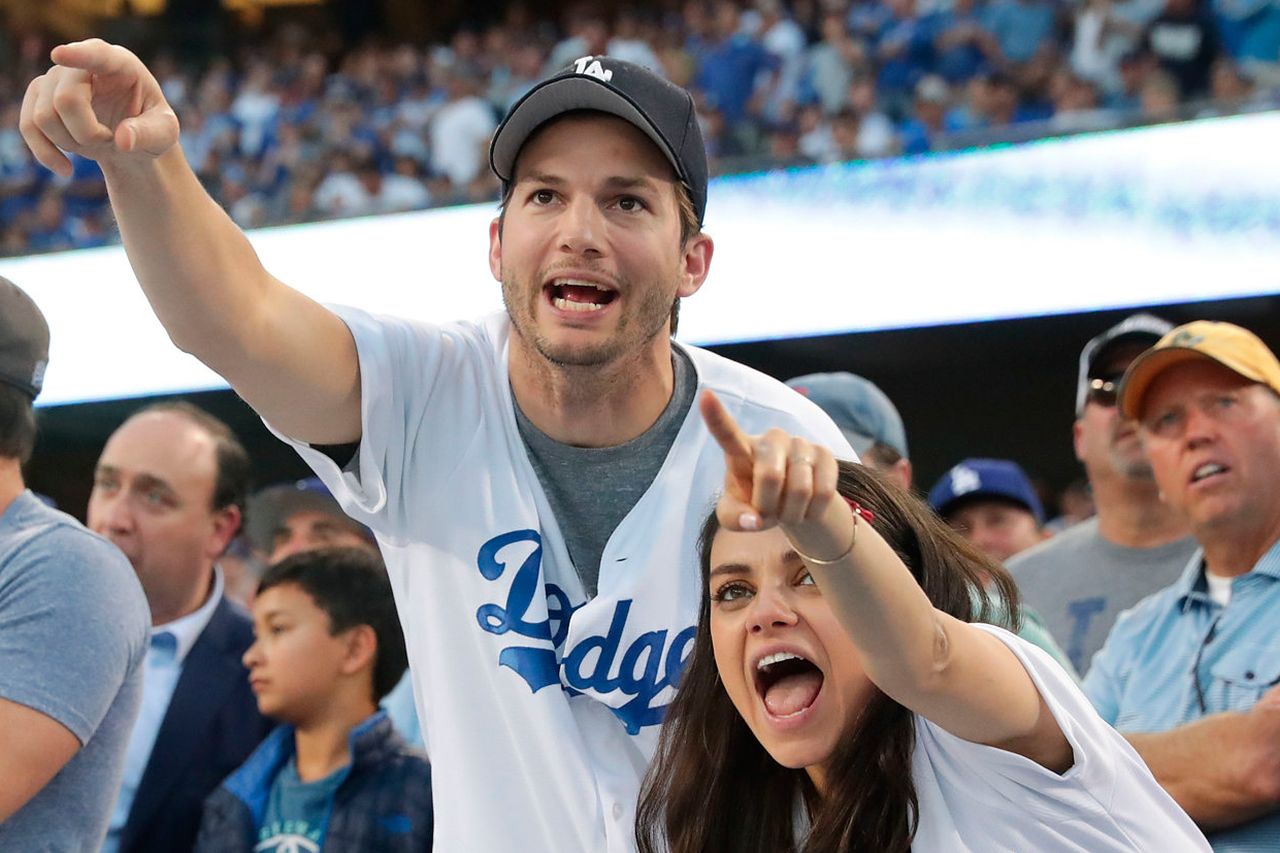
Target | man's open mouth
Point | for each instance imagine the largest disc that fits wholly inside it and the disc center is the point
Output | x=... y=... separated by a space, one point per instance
x=570 y=294
x=787 y=683
x=1207 y=470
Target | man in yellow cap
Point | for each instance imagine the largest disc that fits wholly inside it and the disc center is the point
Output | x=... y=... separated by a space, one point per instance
x=1190 y=673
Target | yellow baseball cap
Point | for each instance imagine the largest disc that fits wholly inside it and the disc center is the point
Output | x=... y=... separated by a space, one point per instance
x=1236 y=349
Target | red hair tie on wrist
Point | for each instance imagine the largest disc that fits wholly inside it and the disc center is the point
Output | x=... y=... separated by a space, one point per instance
x=858 y=509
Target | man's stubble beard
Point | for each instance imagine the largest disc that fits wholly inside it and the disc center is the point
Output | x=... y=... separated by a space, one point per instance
x=1131 y=462
x=653 y=318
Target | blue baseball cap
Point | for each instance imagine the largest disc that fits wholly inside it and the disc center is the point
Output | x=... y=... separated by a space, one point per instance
x=864 y=413
x=976 y=479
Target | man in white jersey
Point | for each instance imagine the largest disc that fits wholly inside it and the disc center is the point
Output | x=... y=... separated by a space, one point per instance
x=536 y=480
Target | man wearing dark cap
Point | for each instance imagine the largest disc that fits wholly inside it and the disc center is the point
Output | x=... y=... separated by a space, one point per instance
x=1190 y=673
x=289 y=518
x=73 y=632
x=1083 y=578
x=866 y=416
x=535 y=479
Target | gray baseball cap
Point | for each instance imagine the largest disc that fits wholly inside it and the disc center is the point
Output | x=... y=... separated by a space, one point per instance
x=864 y=413
x=1136 y=328
x=274 y=505
x=24 y=340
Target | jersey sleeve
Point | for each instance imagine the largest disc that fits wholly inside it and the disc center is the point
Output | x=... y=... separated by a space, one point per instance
x=1094 y=744
x=408 y=433
x=73 y=627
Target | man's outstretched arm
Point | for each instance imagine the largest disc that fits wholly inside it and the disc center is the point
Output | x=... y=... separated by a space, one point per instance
x=290 y=358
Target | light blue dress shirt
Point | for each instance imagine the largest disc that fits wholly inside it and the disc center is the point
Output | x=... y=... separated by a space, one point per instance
x=1178 y=656
x=170 y=644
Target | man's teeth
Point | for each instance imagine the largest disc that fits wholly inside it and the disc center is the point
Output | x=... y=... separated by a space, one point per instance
x=1208 y=469
x=567 y=305
x=561 y=282
x=776 y=657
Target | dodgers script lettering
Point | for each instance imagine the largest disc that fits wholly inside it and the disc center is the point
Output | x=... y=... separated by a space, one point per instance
x=596 y=665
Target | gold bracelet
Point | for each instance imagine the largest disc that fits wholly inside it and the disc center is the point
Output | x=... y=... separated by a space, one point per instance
x=853 y=540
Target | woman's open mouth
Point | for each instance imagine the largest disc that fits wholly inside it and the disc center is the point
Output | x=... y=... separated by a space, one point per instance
x=788 y=685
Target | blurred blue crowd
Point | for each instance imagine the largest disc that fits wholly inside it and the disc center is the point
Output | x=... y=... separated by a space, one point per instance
x=298 y=126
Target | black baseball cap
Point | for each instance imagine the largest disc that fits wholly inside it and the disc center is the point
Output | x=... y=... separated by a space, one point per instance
x=24 y=340
x=658 y=107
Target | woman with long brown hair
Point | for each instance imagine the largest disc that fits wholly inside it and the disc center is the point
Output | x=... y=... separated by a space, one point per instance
x=842 y=694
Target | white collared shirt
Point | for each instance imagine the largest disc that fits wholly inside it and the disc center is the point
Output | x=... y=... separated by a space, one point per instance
x=162 y=670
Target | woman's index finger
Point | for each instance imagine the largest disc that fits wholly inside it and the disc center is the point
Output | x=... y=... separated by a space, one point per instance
x=739 y=457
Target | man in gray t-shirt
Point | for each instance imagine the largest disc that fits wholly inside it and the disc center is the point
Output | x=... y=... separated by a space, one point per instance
x=1083 y=578
x=73 y=632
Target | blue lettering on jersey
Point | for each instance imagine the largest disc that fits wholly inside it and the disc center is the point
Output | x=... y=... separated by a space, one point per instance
x=642 y=670
x=1082 y=612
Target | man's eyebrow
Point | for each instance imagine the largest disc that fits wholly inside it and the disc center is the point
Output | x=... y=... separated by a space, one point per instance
x=541 y=178
x=629 y=183
x=150 y=481
x=615 y=182
x=142 y=481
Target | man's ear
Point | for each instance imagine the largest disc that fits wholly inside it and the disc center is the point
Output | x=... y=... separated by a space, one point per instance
x=495 y=248
x=695 y=263
x=901 y=473
x=226 y=524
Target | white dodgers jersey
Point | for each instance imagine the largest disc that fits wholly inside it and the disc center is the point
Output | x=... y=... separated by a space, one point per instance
x=541 y=708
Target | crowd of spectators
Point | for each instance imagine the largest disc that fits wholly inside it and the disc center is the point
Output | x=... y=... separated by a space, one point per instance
x=298 y=127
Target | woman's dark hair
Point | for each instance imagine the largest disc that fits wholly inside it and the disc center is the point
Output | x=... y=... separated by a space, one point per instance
x=713 y=787
x=352 y=587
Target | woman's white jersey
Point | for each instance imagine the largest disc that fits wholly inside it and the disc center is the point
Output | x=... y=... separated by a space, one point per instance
x=987 y=800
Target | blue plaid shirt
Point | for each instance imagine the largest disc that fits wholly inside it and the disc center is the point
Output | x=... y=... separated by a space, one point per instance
x=1178 y=656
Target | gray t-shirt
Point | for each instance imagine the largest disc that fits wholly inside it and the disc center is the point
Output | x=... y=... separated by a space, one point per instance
x=591 y=489
x=1080 y=583
x=73 y=634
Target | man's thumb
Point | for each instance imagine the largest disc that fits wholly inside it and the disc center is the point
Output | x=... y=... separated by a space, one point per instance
x=153 y=132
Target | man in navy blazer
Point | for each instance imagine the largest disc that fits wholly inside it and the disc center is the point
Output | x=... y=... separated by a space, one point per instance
x=169 y=489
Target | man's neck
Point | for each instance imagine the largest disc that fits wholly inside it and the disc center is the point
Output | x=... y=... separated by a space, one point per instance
x=1231 y=550
x=594 y=406
x=185 y=603
x=1131 y=514
x=11 y=483
x=324 y=744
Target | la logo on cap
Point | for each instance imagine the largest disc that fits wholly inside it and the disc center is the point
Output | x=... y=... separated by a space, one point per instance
x=592 y=68
x=1186 y=339
x=964 y=480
